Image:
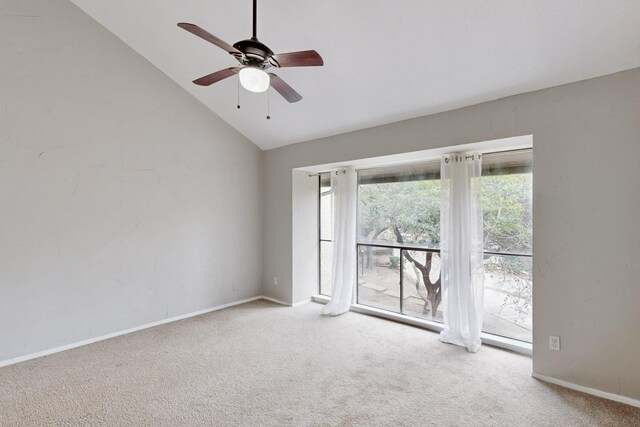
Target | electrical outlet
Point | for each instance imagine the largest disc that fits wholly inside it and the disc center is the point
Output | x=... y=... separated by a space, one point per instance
x=275 y=281
x=554 y=343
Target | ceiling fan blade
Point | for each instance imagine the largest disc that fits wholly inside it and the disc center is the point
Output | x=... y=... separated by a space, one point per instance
x=306 y=58
x=217 y=76
x=284 y=89
x=203 y=34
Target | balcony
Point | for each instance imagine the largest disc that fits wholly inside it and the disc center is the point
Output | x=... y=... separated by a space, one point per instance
x=406 y=280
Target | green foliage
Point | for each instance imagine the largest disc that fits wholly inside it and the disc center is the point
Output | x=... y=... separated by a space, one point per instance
x=394 y=262
x=413 y=207
x=506 y=206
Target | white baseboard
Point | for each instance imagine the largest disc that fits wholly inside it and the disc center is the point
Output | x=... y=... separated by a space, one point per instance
x=128 y=331
x=299 y=303
x=588 y=390
x=545 y=378
x=277 y=301
x=489 y=339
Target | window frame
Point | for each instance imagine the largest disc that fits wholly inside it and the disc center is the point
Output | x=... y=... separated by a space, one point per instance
x=491 y=338
x=320 y=239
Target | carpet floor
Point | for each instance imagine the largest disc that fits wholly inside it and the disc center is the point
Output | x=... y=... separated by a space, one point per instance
x=261 y=364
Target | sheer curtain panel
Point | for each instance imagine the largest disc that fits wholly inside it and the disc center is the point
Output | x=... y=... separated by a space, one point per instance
x=461 y=249
x=343 y=270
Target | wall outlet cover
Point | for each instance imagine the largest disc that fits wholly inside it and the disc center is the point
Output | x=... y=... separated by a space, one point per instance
x=554 y=343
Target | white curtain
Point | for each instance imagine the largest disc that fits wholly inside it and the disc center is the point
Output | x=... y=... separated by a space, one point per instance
x=461 y=249
x=344 y=186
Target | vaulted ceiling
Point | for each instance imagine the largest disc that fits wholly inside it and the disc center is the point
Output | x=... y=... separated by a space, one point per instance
x=384 y=60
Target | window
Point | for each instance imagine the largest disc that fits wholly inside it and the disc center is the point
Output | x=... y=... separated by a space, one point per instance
x=506 y=205
x=326 y=229
x=398 y=241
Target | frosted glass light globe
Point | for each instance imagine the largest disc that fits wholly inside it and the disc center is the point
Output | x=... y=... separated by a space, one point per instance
x=254 y=79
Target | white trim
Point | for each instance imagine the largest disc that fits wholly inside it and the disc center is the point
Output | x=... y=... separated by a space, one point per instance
x=126 y=331
x=277 y=301
x=489 y=339
x=299 y=303
x=588 y=390
x=322 y=299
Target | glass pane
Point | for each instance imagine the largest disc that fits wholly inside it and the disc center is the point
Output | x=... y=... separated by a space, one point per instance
x=407 y=212
x=326 y=252
x=506 y=206
x=379 y=277
x=326 y=213
x=421 y=285
x=507 y=296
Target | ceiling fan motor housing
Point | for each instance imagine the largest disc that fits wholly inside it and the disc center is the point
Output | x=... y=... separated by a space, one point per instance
x=256 y=54
x=255 y=57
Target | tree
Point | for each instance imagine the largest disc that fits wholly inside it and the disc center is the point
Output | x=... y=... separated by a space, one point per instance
x=433 y=295
x=413 y=207
x=409 y=213
x=506 y=205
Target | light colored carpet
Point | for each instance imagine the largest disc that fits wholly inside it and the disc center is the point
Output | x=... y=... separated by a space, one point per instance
x=262 y=364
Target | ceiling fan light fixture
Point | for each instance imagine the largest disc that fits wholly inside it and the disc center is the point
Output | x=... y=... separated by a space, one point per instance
x=254 y=79
x=255 y=57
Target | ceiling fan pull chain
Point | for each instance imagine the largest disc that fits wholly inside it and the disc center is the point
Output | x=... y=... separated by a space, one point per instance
x=254 y=58
x=268 y=116
x=238 y=105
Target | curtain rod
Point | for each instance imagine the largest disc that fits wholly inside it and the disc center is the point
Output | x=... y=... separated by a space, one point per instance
x=482 y=154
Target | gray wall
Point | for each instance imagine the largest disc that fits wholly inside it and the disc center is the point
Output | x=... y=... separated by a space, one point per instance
x=123 y=200
x=586 y=138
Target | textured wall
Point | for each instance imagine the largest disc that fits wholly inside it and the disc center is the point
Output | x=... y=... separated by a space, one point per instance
x=123 y=200
x=586 y=139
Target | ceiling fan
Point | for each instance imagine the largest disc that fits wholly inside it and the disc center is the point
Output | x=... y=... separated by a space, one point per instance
x=254 y=58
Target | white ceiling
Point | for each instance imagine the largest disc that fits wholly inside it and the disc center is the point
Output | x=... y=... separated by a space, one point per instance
x=384 y=60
